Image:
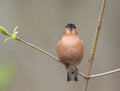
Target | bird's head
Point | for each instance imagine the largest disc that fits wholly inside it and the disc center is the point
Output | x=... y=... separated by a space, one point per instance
x=70 y=29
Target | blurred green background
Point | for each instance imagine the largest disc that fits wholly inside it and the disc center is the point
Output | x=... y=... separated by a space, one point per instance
x=42 y=22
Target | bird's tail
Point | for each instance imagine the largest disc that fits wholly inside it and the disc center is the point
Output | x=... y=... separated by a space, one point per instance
x=72 y=75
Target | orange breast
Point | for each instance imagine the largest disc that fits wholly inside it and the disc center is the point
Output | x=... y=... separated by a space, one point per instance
x=70 y=50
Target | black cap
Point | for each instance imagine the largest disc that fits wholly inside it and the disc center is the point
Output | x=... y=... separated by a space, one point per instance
x=70 y=26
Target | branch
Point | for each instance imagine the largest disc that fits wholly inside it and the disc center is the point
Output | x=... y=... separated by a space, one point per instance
x=50 y=55
x=92 y=53
x=105 y=73
x=39 y=49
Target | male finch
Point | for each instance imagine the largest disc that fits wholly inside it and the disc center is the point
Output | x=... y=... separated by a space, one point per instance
x=70 y=51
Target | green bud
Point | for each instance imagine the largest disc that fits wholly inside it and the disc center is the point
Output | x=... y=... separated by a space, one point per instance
x=14 y=35
x=3 y=30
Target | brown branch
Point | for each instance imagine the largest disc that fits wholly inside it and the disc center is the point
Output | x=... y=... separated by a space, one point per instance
x=39 y=49
x=92 y=53
x=45 y=52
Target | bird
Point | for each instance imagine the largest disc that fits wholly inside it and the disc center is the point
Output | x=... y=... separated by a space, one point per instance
x=70 y=51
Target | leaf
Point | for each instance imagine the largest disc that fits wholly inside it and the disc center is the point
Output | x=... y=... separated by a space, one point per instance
x=6 y=74
x=4 y=31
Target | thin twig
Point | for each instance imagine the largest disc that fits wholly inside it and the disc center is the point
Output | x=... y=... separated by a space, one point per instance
x=92 y=53
x=45 y=52
x=39 y=49
x=105 y=73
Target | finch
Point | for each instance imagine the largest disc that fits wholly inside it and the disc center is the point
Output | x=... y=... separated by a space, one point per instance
x=70 y=51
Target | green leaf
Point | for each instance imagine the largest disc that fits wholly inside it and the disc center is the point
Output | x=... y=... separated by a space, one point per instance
x=14 y=35
x=6 y=74
x=3 y=30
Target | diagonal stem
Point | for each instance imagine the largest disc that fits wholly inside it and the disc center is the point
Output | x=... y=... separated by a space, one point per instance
x=39 y=49
x=92 y=53
x=45 y=52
